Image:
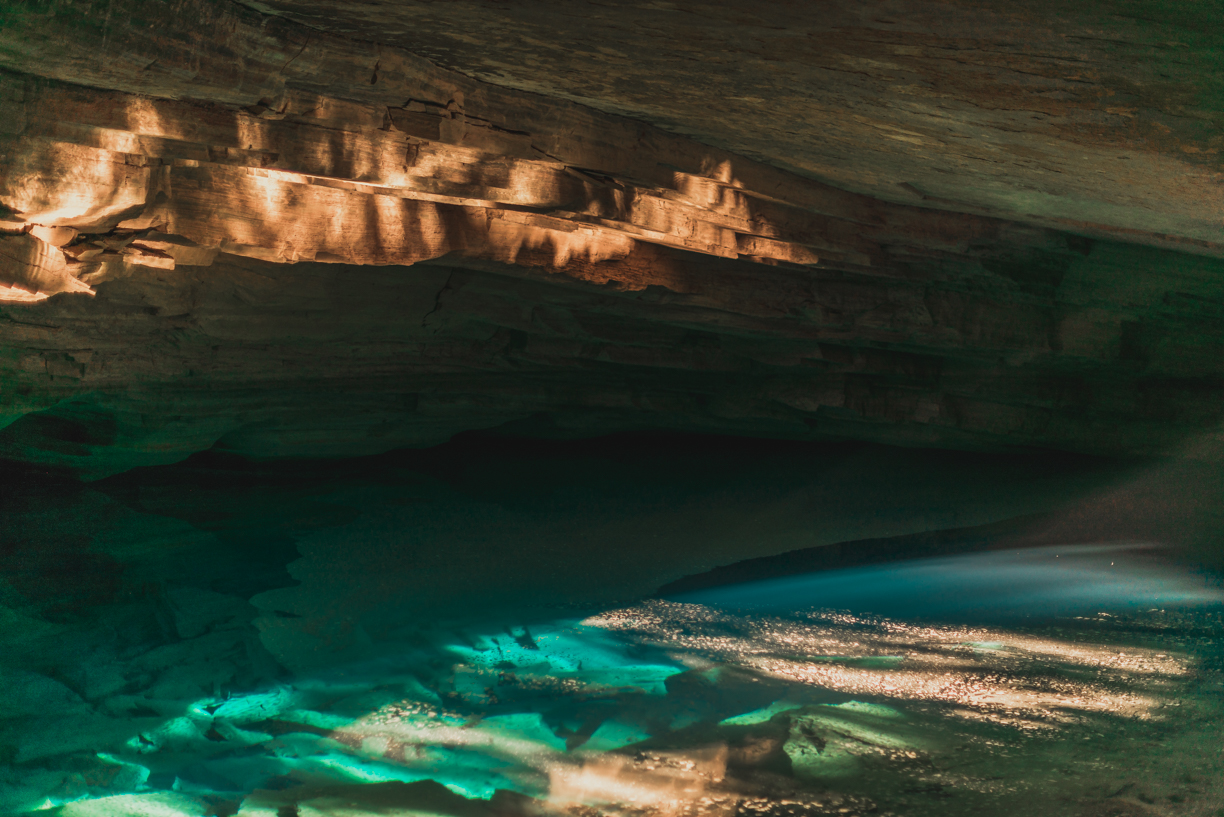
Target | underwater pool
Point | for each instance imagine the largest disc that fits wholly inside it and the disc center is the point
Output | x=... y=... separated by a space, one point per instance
x=1084 y=681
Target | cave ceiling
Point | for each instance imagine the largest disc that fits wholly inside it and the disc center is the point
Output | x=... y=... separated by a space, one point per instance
x=310 y=228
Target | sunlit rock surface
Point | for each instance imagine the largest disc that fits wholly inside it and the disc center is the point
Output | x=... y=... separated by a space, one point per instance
x=1100 y=115
x=298 y=236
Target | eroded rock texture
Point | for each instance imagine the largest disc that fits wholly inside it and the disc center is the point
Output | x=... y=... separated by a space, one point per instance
x=294 y=237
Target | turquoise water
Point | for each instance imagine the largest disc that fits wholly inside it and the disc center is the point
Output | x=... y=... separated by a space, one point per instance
x=1077 y=681
x=997 y=586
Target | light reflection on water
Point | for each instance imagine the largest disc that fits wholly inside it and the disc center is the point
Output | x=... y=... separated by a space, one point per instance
x=993 y=586
x=739 y=701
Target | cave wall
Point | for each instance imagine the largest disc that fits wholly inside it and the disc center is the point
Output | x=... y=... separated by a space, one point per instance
x=225 y=226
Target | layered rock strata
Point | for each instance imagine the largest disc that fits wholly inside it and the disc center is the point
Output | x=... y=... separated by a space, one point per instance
x=293 y=252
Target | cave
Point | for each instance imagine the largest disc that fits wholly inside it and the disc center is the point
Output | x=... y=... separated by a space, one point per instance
x=611 y=408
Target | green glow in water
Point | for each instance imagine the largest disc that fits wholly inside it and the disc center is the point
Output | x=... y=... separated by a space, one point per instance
x=834 y=696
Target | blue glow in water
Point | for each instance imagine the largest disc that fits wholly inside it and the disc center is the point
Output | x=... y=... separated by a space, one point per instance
x=991 y=586
x=532 y=709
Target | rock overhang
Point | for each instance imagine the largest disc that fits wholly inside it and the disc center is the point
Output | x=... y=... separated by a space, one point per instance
x=304 y=242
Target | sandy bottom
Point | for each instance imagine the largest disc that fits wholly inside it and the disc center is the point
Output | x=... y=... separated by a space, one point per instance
x=673 y=708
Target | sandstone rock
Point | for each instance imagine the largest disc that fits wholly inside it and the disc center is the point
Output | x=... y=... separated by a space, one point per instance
x=303 y=238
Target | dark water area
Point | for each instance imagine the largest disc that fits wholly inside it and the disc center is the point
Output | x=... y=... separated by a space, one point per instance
x=498 y=628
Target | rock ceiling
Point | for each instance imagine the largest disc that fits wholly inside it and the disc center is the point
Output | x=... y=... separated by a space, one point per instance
x=284 y=231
